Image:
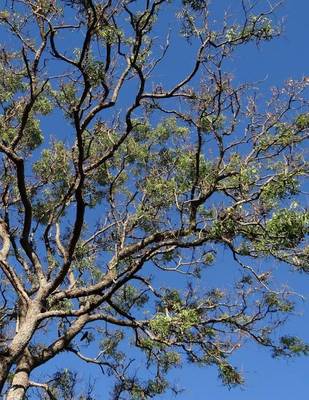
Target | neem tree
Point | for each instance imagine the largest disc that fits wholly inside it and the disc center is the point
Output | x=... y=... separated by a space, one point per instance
x=142 y=182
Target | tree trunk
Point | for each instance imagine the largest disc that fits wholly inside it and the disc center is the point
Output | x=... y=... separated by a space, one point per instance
x=4 y=370
x=20 y=381
x=17 y=349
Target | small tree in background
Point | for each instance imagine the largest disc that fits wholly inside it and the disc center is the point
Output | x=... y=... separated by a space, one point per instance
x=142 y=182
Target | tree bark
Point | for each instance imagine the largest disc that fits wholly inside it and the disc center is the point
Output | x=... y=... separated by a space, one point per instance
x=20 y=381
x=4 y=370
x=17 y=348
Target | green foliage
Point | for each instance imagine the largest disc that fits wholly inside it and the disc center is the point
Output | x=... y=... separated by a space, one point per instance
x=32 y=135
x=276 y=302
x=211 y=123
x=168 y=128
x=291 y=346
x=84 y=262
x=109 y=346
x=161 y=325
x=156 y=386
x=287 y=228
x=95 y=71
x=257 y=27
x=196 y=5
x=169 y=359
x=63 y=384
x=284 y=134
x=159 y=190
x=230 y=376
x=43 y=105
x=186 y=171
x=137 y=152
x=208 y=258
x=54 y=164
x=176 y=321
x=281 y=187
x=7 y=133
x=10 y=83
x=66 y=97
x=109 y=34
x=302 y=122
x=145 y=390
x=161 y=133
x=64 y=305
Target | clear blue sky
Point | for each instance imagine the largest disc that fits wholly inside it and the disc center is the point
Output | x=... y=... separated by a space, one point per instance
x=266 y=378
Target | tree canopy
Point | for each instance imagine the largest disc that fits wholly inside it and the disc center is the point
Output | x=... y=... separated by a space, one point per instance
x=120 y=185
